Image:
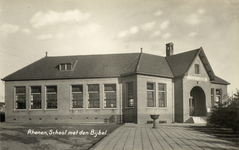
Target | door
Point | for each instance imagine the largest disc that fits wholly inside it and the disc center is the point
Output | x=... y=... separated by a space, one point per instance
x=191 y=106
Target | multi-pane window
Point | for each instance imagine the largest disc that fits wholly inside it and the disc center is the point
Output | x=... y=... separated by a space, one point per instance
x=162 y=95
x=218 y=96
x=150 y=95
x=20 y=97
x=93 y=96
x=77 y=96
x=66 y=66
x=212 y=96
x=36 y=97
x=51 y=97
x=197 y=69
x=130 y=96
x=110 y=96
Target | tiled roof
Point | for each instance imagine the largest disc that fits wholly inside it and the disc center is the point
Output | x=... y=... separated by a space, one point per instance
x=112 y=65
x=180 y=63
x=219 y=81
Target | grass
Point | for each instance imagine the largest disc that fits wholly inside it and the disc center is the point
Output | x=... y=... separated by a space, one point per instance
x=221 y=133
x=20 y=134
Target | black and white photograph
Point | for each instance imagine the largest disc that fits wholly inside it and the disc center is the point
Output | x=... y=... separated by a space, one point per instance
x=119 y=74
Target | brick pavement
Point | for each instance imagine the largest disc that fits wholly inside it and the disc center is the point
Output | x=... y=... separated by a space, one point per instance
x=165 y=137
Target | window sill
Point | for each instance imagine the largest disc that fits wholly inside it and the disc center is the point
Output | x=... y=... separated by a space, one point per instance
x=110 y=108
x=19 y=109
x=34 y=109
x=51 y=109
x=77 y=108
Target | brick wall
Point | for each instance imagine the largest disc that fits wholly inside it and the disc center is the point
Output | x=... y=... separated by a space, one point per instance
x=64 y=112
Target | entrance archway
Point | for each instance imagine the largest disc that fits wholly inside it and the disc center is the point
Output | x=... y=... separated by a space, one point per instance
x=197 y=102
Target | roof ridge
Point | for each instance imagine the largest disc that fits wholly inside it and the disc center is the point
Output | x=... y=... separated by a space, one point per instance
x=92 y=55
x=137 y=66
x=185 y=52
x=129 y=64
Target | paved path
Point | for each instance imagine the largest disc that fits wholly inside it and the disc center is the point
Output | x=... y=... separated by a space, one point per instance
x=167 y=137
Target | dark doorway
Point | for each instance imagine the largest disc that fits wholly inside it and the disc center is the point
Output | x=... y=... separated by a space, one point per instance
x=197 y=102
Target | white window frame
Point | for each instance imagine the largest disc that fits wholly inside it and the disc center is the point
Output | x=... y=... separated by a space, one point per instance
x=104 y=106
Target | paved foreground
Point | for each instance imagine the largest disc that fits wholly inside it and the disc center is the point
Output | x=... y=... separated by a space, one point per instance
x=168 y=137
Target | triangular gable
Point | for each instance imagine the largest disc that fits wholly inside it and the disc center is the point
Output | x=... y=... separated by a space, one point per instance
x=180 y=63
x=206 y=64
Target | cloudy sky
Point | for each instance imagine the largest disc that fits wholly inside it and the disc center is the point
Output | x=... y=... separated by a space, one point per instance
x=29 y=28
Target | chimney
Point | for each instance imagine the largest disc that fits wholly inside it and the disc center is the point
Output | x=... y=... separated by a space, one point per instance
x=46 y=54
x=169 y=49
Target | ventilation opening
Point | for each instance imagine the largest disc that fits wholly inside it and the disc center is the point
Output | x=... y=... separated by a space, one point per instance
x=39 y=118
x=55 y=118
x=30 y=118
x=14 y=119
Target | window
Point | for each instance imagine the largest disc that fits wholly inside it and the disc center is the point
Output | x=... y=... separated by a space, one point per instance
x=197 y=69
x=150 y=95
x=130 y=95
x=162 y=95
x=93 y=96
x=110 y=96
x=20 y=97
x=66 y=66
x=218 y=96
x=36 y=97
x=77 y=96
x=51 y=97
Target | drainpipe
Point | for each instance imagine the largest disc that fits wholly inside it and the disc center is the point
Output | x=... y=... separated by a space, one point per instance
x=173 y=101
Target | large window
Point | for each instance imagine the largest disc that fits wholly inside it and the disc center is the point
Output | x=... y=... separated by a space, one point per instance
x=150 y=95
x=130 y=95
x=36 y=97
x=51 y=97
x=20 y=97
x=162 y=102
x=110 y=96
x=77 y=96
x=93 y=96
x=197 y=69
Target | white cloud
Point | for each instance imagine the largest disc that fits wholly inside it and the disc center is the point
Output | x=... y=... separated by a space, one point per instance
x=6 y=29
x=166 y=36
x=45 y=37
x=192 y=34
x=51 y=17
x=26 y=31
x=148 y=26
x=133 y=30
x=158 y=13
x=193 y=19
x=123 y=34
x=157 y=33
x=164 y=25
x=201 y=11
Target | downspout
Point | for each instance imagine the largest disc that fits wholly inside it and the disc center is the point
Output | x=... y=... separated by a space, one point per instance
x=173 y=101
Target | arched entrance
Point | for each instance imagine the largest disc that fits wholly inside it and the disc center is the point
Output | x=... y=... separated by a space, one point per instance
x=197 y=102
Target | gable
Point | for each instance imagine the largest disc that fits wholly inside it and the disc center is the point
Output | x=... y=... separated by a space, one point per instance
x=197 y=70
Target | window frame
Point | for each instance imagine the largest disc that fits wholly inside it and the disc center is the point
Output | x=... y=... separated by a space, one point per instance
x=154 y=96
x=104 y=101
x=32 y=98
x=197 y=68
x=88 y=96
x=71 y=98
x=165 y=95
x=15 y=98
x=46 y=93
x=127 y=102
x=66 y=65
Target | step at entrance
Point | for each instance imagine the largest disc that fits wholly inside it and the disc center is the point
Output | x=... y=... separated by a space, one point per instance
x=196 y=120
